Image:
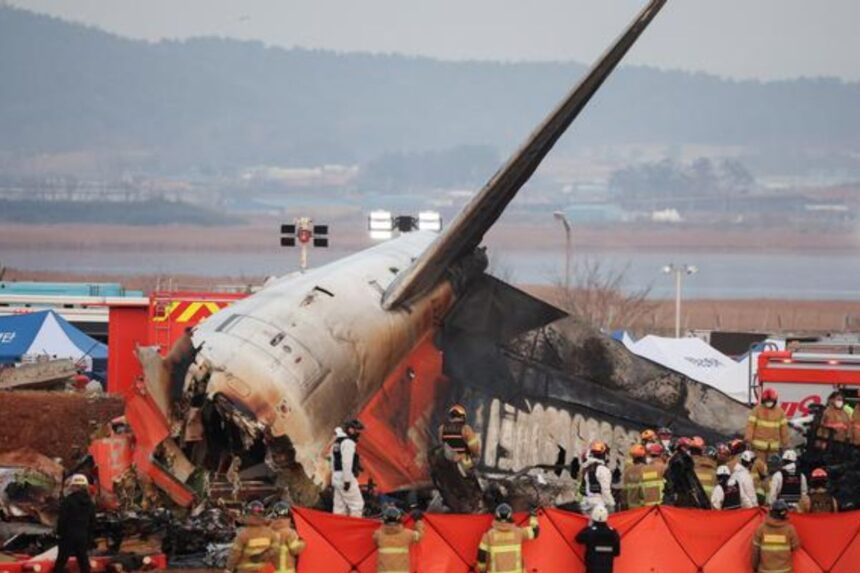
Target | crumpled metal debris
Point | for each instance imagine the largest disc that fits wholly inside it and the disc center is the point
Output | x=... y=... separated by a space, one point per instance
x=30 y=485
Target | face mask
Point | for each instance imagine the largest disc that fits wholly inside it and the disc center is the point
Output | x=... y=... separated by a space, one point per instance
x=769 y=404
x=838 y=404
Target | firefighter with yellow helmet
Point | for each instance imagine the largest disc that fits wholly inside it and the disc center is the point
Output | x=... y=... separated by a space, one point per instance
x=255 y=547
x=460 y=443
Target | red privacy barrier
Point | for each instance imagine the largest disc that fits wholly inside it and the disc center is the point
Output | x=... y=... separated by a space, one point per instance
x=655 y=540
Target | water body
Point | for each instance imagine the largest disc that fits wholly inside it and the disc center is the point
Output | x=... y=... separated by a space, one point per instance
x=722 y=275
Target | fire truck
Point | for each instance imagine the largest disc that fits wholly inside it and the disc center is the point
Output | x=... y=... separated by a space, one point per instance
x=807 y=374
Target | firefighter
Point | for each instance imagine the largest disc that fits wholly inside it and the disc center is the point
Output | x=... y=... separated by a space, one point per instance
x=819 y=499
x=742 y=478
x=459 y=441
x=652 y=476
x=854 y=433
x=835 y=421
x=290 y=545
x=761 y=479
x=602 y=542
x=393 y=541
x=648 y=436
x=501 y=548
x=597 y=479
x=725 y=496
x=705 y=466
x=256 y=544
x=767 y=426
x=774 y=542
x=75 y=524
x=736 y=448
x=346 y=467
x=632 y=477
x=787 y=483
x=664 y=435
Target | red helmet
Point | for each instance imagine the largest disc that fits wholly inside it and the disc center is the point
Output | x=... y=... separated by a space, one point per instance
x=684 y=443
x=737 y=446
x=654 y=449
x=769 y=394
x=819 y=473
x=698 y=442
x=638 y=451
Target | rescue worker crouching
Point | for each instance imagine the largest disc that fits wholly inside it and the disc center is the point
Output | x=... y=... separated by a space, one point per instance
x=75 y=525
x=460 y=442
x=835 y=421
x=501 y=548
x=774 y=542
x=346 y=467
x=787 y=483
x=767 y=426
x=602 y=542
x=393 y=541
x=819 y=498
x=597 y=479
x=290 y=545
x=256 y=544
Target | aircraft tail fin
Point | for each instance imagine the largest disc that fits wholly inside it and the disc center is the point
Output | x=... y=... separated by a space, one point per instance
x=467 y=230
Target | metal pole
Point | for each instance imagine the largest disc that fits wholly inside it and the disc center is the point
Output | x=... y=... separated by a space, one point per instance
x=678 y=273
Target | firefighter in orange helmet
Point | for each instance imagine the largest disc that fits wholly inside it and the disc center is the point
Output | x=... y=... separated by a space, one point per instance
x=597 y=479
x=767 y=426
x=632 y=477
x=818 y=499
x=648 y=436
x=461 y=444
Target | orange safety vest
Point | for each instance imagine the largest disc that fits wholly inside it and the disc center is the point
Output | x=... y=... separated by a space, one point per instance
x=767 y=429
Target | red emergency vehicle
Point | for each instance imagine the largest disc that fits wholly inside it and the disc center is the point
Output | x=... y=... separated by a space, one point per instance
x=806 y=375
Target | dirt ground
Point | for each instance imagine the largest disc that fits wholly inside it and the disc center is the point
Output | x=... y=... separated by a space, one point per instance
x=55 y=424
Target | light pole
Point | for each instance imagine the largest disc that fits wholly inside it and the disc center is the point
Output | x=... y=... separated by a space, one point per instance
x=567 y=245
x=679 y=272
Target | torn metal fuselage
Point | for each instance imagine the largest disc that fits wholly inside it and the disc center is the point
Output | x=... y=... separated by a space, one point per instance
x=273 y=374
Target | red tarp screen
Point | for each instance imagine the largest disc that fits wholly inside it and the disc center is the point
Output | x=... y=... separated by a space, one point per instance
x=658 y=540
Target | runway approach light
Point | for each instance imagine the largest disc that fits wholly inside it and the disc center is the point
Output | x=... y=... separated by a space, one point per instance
x=383 y=225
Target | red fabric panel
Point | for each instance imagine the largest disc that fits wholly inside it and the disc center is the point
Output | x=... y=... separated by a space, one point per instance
x=458 y=537
x=626 y=520
x=702 y=533
x=736 y=553
x=848 y=560
x=649 y=546
x=825 y=548
x=554 y=549
x=335 y=543
x=803 y=563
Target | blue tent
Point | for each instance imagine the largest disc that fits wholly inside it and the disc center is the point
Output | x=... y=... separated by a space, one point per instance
x=47 y=333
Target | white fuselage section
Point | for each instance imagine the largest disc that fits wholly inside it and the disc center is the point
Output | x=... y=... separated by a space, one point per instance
x=310 y=349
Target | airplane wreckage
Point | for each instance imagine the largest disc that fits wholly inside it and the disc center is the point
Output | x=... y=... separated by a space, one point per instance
x=394 y=334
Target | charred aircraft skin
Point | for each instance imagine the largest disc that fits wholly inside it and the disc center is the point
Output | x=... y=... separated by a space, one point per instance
x=305 y=353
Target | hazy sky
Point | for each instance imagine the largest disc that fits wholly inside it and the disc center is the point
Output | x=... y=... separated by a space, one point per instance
x=738 y=38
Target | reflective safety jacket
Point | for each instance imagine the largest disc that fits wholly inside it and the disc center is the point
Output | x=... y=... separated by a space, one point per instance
x=773 y=543
x=767 y=429
x=290 y=545
x=706 y=471
x=461 y=442
x=393 y=543
x=835 y=424
x=854 y=433
x=818 y=500
x=632 y=481
x=501 y=548
x=253 y=549
x=652 y=483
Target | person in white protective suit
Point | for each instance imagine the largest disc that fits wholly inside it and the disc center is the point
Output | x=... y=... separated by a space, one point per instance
x=345 y=468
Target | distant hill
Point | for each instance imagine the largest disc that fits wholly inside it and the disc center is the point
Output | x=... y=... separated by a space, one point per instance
x=216 y=104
